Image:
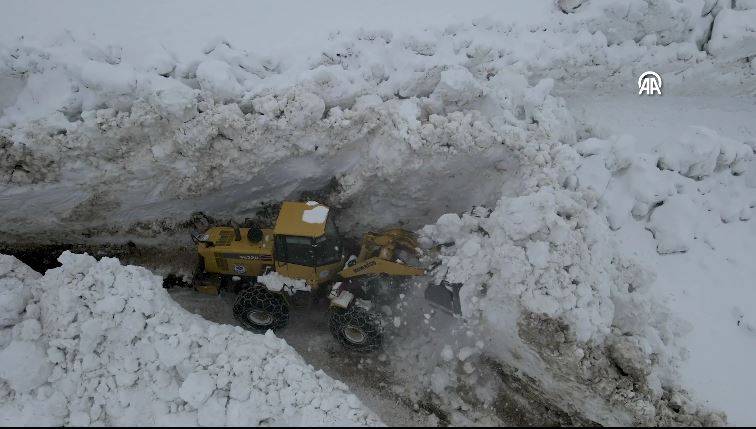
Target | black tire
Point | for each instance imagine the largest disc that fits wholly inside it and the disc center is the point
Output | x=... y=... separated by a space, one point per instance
x=357 y=329
x=257 y=309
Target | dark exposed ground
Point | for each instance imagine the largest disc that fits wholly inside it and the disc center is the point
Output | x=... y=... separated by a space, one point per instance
x=171 y=263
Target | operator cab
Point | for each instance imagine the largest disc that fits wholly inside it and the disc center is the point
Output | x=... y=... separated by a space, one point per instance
x=307 y=245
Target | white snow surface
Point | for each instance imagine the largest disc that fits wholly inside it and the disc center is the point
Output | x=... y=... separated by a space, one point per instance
x=276 y=282
x=317 y=214
x=97 y=136
x=654 y=207
x=594 y=255
x=98 y=343
x=734 y=34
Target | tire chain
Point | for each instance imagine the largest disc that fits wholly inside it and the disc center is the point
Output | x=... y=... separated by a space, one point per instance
x=257 y=297
x=369 y=322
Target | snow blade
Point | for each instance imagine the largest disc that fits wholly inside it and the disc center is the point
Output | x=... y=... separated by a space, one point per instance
x=445 y=296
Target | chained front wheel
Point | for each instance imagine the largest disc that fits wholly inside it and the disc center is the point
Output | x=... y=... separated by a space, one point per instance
x=356 y=328
x=257 y=309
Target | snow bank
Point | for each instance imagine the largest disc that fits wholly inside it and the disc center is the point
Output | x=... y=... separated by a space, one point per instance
x=580 y=309
x=97 y=343
x=693 y=229
x=734 y=34
x=224 y=129
x=664 y=21
x=542 y=281
x=410 y=127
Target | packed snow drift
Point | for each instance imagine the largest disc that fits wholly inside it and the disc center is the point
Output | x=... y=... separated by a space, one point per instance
x=573 y=234
x=98 y=343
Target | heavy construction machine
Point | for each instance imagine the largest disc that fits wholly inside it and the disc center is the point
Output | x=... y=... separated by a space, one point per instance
x=301 y=259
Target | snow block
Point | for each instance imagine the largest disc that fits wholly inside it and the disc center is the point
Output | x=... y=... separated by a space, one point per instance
x=701 y=151
x=733 y=36
x=673 y=224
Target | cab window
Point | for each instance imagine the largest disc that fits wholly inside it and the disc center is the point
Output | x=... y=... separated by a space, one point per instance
x=295 y=250
x=328 y=247
x=327 y=250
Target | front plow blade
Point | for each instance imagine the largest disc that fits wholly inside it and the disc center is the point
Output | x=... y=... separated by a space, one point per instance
x=445 y=296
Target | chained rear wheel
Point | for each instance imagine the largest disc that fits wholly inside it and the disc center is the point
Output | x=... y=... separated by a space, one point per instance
x=356 y=329
x=257 y=309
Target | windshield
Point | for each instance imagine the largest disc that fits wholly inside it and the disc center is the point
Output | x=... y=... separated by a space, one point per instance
x=328 y=247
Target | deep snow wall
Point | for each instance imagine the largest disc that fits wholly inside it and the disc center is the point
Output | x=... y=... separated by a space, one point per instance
x=96 y=143
x=404 y=127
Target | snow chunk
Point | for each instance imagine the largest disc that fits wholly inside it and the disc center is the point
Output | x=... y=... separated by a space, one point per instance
x=734 y=34
x=15 y=290
x=24 y=365
x=108 y=78
x=97 y=329
x=174 y=100
x=701 y=151
x=538 y=253
x=217 y=78
x=673 y=224
x=197 y=387
x=457 y=87
x=628 y=354
x=317 y=214
x=276 y=282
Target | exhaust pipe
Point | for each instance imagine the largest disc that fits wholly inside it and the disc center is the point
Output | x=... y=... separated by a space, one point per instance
x=237 y=232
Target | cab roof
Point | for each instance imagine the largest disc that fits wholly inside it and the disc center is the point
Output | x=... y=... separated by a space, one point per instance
x=301 y=219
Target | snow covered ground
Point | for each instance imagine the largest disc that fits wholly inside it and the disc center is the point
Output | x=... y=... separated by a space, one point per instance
x=711 y=283
x=603 y=239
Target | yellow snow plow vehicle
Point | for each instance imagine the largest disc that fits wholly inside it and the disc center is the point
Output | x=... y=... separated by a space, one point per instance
x=301 y=258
